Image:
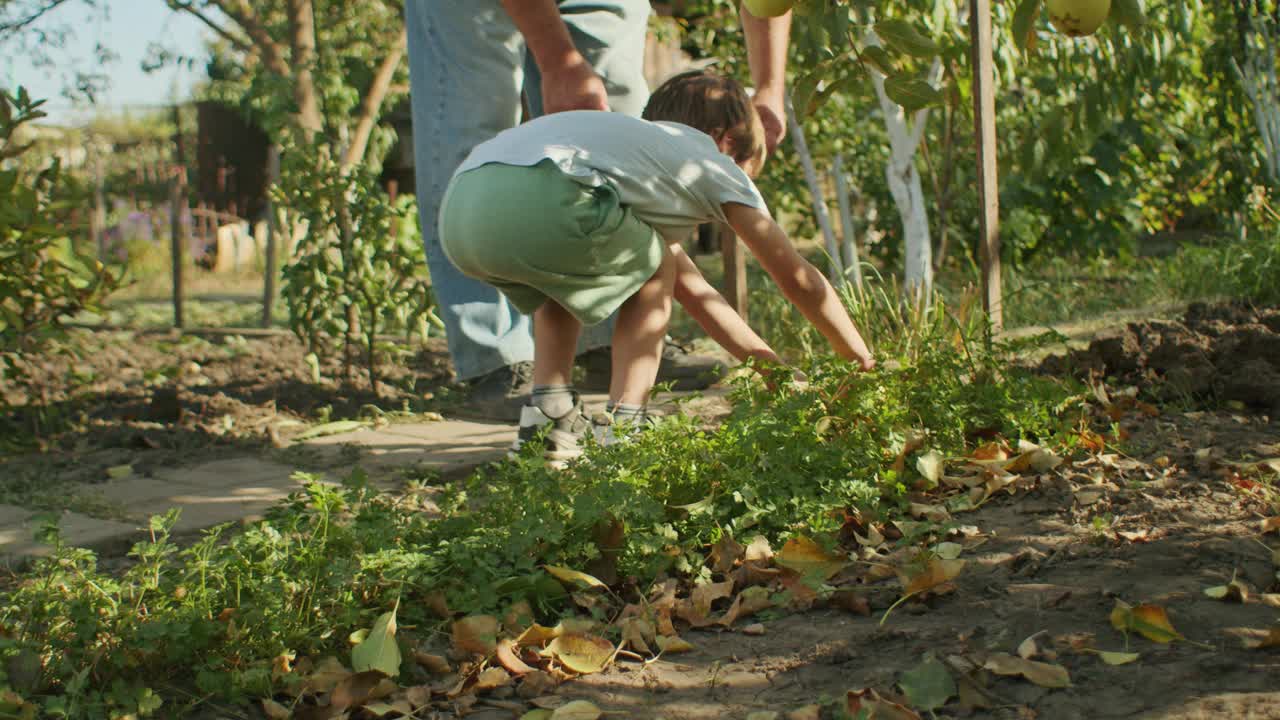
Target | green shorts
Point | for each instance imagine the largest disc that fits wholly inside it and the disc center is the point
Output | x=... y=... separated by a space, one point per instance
x=537 y=234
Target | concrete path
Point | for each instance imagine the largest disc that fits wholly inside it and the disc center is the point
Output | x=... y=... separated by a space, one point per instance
x=236 y=489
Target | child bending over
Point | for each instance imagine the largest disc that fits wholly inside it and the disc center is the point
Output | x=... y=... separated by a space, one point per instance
x=576 y=215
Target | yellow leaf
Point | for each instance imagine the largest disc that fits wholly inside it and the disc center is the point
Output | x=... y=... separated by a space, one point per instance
x=583 y=654
x=672 y=644
x=990 y=451
x=576 y=710
x=935 y=573
x=1271 y=525
x=1235 y=591
x=931 y=465
x=1117 y=658
x=1040 y=673
x=476 y=634
x=573 y=577
x=537 y=634
x=1147 y=620
x=807 y=558
x=119 y=472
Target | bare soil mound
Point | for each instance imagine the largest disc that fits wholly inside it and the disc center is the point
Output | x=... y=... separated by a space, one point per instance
x=1217 y=353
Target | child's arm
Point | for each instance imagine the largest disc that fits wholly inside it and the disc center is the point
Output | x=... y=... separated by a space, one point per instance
x=711 y=311
x=799 y=281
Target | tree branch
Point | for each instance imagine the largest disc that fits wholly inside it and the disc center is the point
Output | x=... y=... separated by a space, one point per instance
x=239 y=43
x=373 y=99
x=16 y=26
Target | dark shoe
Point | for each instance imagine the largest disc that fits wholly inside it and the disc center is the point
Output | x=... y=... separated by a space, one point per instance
x=561 y=436
x=680 y=367
x=498 y=395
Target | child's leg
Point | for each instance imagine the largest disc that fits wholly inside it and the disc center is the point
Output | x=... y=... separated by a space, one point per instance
x=555 y=339
x=638 y=336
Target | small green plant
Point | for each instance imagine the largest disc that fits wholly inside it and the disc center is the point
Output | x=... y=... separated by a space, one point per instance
x=359 y=271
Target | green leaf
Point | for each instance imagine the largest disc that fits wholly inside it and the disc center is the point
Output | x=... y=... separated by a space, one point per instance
x=903 y=37
x=1024 y=25
x=877 y=58
x=928 y=686
x=1129 y=13
x=379 y=650
x=911 y=93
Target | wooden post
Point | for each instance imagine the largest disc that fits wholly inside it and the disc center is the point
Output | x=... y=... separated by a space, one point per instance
x=984 y=119
x=735 y=270
x=99 y=222
x=177 y=208
x=269 y=282
x=850 y=250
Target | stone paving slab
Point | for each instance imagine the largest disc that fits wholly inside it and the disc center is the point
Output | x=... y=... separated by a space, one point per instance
x=239 y=488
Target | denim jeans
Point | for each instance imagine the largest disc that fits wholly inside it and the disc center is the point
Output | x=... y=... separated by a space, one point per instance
x=468 y=67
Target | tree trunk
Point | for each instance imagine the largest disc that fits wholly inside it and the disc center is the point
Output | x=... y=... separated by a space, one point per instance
x=1257 y=75
x=815 y=190
x=904 y=180
x=302 y=36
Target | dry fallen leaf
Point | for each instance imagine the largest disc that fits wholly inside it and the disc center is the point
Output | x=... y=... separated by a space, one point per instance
x=356 y=690
x=1116 y=658
x=576 y=710
x=808 y=712
x=1042 y=674
x=637 y=633
x=936 y=572
x=509 y=658
x=876 y=707
x=476 y=634
x=1270 y=640
x=808 y=559
x=753 y=629
x=672 y=644
x=434 y=664
x=1271 y=525
x=275 y=711
x=1150 y=621
x=1028 y=649
x=326 y=676
x=758 y=550
x=583 y=654
x=537 y=634
x=726 y=553
x=494 y=677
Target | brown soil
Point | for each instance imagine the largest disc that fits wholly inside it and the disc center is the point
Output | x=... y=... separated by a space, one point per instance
x=152 y=399
x=1218 y=353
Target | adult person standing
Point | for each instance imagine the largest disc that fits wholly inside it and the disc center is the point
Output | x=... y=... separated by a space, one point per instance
x=469 y=62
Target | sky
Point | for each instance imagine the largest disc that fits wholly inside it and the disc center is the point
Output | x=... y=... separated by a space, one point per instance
x=131 y=26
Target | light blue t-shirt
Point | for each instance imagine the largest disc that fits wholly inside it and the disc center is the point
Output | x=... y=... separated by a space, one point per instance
x=672 y=176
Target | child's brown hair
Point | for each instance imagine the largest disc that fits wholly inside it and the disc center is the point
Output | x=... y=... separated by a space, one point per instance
x=717 y=105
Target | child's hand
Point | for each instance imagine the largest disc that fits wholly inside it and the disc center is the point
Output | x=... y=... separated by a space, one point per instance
x=868 y=363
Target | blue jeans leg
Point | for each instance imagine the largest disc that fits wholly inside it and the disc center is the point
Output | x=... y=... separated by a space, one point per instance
x=467 y=69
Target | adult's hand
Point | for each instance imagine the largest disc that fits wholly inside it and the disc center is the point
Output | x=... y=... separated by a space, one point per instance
x=773 y=117
x=574 y=86
x=568 y=82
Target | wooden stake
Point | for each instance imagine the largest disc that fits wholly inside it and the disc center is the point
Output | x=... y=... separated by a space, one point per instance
x=269 y=283
x=735 y=270
x=851 y=259
x=177 y=208
x=984 y=118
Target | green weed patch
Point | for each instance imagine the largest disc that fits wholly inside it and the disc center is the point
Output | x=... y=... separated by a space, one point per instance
x=214 y=620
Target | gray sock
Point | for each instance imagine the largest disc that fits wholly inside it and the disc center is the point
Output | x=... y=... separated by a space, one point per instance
x=554 y=400
x=624 y=413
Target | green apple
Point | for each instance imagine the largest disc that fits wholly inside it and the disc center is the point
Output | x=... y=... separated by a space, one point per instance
x=1078 y=17
x=768 y=8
